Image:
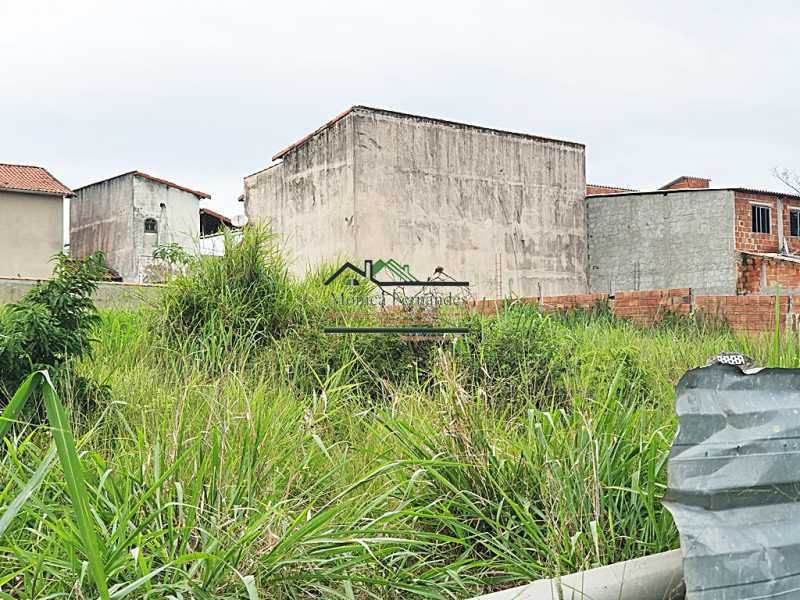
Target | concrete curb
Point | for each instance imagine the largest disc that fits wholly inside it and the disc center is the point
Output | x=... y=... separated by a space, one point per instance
x=655 y=577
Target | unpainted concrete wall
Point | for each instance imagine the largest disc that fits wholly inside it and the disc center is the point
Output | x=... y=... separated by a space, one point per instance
x=33 y=231
x=110 y=216
x=100 y=218
x=178 y=222
x=661 y=241
x=308 y=198
x=108 y=294
x=504 y=211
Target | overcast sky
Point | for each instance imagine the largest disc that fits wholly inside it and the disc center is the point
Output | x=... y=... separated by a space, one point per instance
x=203 y=93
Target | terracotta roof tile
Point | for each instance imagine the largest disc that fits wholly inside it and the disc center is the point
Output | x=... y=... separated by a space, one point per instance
x=31 y=179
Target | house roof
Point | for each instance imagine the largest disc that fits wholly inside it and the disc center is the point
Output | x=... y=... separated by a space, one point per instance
x=200 y=195
x=368 y=109
x=27 y=178
x=700 y=191
x=605 y=189
x=680 y=178
x=216 y=215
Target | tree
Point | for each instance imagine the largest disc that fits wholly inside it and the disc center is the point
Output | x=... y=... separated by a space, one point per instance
x=789 y=178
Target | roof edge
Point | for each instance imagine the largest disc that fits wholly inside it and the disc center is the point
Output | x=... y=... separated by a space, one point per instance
x=38 y=192
x=610 y=187
x=136 y=173
x=393 y=113
x=200 y=195
x=699 y=190
x=216 y=215
x=679 y=177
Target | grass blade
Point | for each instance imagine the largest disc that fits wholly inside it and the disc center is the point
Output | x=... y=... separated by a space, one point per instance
x=76 y=485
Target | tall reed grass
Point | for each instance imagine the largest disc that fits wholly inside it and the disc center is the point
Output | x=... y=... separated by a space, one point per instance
x=257 y=458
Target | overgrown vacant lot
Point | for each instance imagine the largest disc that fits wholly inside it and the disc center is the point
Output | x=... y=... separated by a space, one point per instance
x=238 y=452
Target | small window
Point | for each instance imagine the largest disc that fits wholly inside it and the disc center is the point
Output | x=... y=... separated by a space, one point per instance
x=760 y=218
x=794 y=223
x=150 y=226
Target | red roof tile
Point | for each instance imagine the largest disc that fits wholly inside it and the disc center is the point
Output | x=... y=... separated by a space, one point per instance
x=31 y=179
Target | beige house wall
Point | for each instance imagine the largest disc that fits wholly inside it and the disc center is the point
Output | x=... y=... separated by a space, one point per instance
x=33 y=231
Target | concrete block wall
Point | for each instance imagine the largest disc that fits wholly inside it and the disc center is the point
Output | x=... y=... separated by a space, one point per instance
x=662 y=240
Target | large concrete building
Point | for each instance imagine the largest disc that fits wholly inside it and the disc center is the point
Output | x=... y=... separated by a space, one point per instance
x=32 y=214
x=689 y=235
x=129 y=216
x=503 y=210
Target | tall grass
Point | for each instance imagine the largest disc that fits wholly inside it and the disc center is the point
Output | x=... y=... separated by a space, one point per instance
x=282 y=463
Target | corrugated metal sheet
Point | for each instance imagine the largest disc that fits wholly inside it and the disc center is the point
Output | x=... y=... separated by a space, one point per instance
x=734 y=482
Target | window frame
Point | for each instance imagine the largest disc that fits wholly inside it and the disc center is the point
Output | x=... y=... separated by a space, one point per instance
x=755 y=222
x=794 y=212
x=154 y=222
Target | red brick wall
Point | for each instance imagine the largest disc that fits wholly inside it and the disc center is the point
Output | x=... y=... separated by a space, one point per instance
x=792 y=242
x=687 y=182
x=778 y=273
x=746 y=239
x=604 y=189
x=746 y=314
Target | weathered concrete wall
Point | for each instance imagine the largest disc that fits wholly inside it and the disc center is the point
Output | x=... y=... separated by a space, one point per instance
x=110 y=216
x=33 y=231
x=662 y=240
x=108 y=294
x=308 y=197
x=100 y=218
x=177 y=215
x=504 y=211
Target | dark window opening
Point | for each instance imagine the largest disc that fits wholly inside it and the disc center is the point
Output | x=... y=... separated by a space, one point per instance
x=760 y=219
x=150 y=226
x=794 y=223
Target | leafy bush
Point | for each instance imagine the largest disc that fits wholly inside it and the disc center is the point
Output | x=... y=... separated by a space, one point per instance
x=52 y=323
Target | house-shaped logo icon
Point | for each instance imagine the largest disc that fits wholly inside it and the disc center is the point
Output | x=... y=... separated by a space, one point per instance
x=401 y=275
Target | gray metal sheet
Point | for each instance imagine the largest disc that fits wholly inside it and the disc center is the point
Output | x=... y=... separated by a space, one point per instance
x=734 y=483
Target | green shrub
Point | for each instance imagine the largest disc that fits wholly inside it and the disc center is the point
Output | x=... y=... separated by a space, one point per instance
x=52 y=323
x=221 y=302
x=516 y=352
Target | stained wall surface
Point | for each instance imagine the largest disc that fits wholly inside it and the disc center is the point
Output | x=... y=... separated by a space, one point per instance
x=504 y=211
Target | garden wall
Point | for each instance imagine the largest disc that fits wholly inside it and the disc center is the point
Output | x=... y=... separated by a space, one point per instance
x=747 y=314
x=109 y=294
